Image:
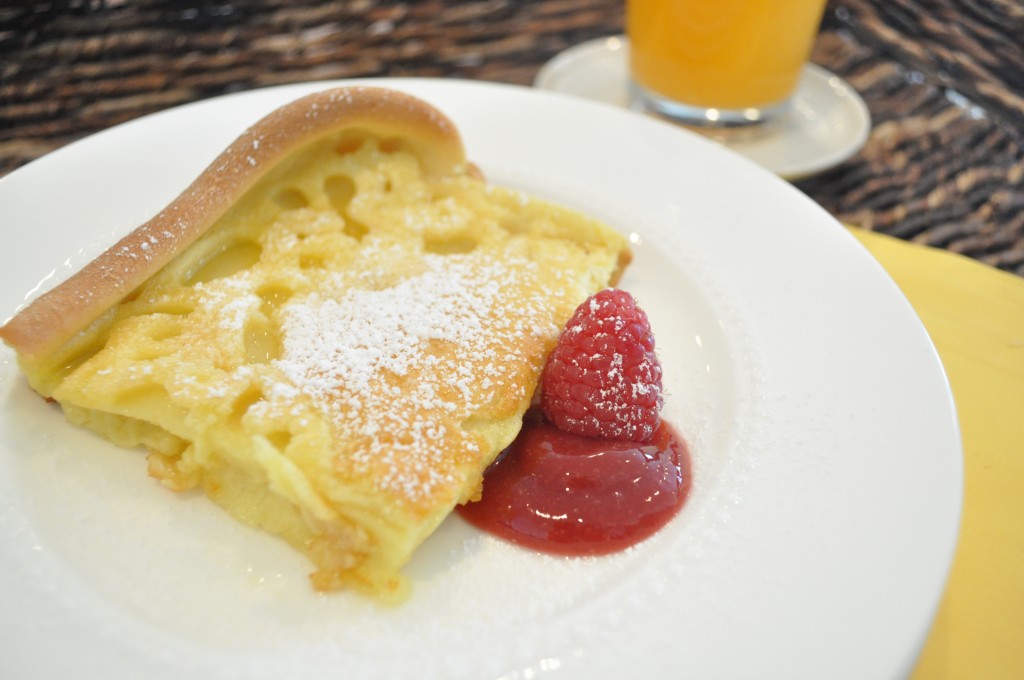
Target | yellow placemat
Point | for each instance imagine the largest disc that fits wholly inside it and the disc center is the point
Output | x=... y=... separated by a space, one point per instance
x=975 y=316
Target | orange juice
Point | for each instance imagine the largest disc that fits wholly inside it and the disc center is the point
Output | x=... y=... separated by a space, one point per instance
x=724 y=54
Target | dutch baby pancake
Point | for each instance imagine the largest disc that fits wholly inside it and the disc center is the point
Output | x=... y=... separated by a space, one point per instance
x=332 y=332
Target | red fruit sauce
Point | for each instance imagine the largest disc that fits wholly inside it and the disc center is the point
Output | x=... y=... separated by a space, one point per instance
x=566 y=494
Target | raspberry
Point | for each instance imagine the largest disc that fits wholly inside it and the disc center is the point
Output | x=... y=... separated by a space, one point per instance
x=603 y=378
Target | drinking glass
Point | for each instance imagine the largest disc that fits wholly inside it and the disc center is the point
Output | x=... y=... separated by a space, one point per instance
x=719 y=63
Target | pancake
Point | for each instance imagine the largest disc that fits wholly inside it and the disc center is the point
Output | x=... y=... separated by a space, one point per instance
x=332 y=332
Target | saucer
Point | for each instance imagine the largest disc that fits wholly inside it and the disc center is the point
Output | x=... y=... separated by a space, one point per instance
x=826 y=124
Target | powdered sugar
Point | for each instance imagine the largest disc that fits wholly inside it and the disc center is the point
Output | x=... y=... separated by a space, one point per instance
x=231 y=298
x=398 y=369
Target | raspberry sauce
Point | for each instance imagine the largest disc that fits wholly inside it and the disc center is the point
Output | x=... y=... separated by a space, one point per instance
x=566 y=494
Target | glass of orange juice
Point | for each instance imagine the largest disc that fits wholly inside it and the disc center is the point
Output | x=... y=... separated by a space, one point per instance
x=721 y=63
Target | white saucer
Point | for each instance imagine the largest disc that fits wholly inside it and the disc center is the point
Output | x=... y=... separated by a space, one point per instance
x=827 y=123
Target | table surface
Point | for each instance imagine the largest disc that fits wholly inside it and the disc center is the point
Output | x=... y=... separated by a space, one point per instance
x=943 y=80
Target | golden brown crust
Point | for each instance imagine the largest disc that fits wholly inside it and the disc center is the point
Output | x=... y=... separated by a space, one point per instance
x=625 y=258
x=52 y=319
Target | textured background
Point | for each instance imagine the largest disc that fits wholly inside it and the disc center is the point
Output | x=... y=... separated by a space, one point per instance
x=944 y=82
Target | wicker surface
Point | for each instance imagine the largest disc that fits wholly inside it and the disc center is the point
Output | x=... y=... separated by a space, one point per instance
x=944 y=82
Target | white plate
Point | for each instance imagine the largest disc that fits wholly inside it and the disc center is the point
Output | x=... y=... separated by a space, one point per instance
x=827 y=464
x=826 y=124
